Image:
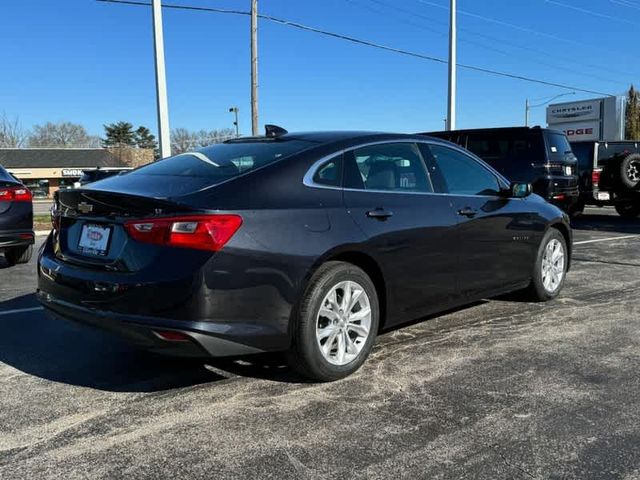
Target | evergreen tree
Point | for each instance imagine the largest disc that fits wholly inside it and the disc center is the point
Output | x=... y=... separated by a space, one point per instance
x=119 y=135
x=632 y=115
x=145 y=139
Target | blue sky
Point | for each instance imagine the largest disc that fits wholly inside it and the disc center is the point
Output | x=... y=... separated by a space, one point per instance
x=91 y=63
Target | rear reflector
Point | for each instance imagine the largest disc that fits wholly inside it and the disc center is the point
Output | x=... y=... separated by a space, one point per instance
x=595 y=177
x=200 y=232
x=171 y=336
x=15 y=194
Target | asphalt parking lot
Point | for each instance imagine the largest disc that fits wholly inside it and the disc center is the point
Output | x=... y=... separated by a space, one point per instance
x=501 y=389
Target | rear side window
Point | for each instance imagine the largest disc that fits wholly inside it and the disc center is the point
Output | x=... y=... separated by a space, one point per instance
x=224 y=160
x=558 y=143
x=387 y=167
x=462 y=174
x=329 y=173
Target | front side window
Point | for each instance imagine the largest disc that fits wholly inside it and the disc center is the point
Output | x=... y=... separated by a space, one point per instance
x=396 y=167
x=463 y=175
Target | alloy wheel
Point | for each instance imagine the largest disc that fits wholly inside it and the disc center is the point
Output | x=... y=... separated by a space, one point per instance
x=343 y=323
x=553 y=265
x=633 y=171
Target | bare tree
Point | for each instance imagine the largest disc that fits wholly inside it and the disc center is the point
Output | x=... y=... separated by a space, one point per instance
x=12 y=135
x=183 y=140
x=62 y=135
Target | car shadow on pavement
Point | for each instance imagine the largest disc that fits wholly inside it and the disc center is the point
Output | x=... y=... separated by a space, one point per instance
x=606 y=223
x=64 y=352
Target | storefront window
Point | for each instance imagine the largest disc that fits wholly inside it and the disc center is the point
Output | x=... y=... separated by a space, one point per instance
x=39 y=188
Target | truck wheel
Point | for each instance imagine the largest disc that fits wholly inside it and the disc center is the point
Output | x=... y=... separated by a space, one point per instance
x=630 y=170
x=628 y=210
x=16 y=255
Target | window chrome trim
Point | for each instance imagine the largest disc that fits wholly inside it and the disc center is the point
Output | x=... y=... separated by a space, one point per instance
x=308 y=181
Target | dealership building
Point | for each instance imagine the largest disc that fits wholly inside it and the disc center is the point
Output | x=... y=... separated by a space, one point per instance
x=45 y=170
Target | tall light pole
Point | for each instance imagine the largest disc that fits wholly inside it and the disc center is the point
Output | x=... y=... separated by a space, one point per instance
x=254 y=67
x=528 y=106
x=451 y=104
x=164 y=135
x=235 y=111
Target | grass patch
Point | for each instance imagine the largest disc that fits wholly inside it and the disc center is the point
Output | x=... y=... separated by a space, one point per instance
x=42 y=222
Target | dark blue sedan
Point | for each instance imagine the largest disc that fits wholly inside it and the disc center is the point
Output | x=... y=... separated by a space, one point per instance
x=310 y=243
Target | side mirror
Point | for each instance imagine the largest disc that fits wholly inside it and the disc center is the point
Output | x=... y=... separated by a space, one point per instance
x=521 y=190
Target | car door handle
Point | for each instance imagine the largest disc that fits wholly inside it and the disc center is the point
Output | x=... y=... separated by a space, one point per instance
x=467 y=212
x=379 y=214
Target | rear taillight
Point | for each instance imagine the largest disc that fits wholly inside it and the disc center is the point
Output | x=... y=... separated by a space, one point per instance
x=200 y=232
x=15 y=194
x=595 y=177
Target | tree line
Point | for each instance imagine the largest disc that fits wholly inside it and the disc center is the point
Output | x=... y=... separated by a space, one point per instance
x=116 y=135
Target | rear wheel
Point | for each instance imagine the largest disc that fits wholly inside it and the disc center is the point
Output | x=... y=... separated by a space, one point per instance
x=630 y=170
x=336 y=324
x=550 y=268
x=15 y=255
x=628 y=210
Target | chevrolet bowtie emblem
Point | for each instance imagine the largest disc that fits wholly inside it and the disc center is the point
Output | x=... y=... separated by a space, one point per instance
x=84 y=207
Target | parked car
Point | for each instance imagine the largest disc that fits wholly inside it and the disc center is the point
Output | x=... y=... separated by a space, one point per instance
x=319 y=241
x=609 y=175
x=16 y=219
x=100 y=173
x=539 y=156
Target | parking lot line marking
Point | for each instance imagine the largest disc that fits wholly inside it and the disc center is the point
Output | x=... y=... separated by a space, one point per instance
x=608 y=239
x=21 y=310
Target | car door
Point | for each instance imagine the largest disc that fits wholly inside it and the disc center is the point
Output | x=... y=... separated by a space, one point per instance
x=496 y=234
x=390 y=196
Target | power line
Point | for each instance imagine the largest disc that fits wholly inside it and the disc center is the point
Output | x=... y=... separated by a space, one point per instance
x=358 y=41
x=591 y=12
x=489 y=38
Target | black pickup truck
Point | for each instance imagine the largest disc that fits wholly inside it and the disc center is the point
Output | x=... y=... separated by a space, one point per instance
x=609 y=174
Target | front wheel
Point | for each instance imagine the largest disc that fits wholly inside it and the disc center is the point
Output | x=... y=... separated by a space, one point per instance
x=336 y=324
x=550 y=269
x=628 y=210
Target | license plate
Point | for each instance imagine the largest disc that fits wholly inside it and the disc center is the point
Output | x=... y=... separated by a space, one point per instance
x=603 y=196
x=94 y=239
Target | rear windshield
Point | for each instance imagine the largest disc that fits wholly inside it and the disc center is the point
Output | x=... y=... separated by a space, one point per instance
x=506 y=147
x=224 y=160
x=6 y=177
x=558 y=143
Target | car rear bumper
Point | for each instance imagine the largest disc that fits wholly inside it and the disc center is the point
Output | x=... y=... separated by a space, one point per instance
x=201 y=338
x=562 y=192
x=21 y=238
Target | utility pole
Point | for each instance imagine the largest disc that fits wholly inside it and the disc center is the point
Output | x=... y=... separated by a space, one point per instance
x=254 y=67
x=235 y=111
x=526 y=112
x=451 y=105
x=164 y=133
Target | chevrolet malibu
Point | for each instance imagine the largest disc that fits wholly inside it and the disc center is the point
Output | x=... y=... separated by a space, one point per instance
x=309 y=243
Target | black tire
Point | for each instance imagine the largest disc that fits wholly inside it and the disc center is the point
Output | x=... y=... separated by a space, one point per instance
x=628 y=210
x=16 y=255
x=577 y=209
x=537 y=290
x=630 y=170
x=305 y=356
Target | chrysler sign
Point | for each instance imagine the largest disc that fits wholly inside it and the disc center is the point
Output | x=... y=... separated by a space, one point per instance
x=572 y=112
x=589 y=120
